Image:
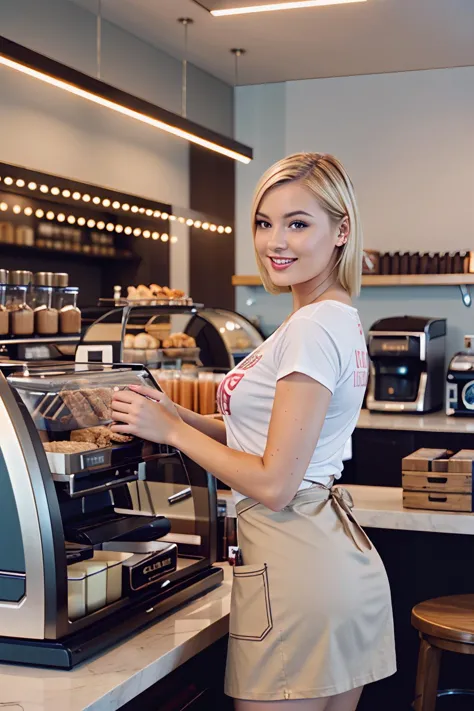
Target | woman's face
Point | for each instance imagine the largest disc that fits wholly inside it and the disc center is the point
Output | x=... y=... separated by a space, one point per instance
x=295 y=238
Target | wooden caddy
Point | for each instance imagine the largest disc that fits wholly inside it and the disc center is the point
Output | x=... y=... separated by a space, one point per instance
x=438 y=480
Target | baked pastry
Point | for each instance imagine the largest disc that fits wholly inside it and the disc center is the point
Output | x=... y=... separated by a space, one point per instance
x=68 y=447
x=79 y=407
x=142 y=341
x=179 y=340
x=144 y=292
x=100 y=400
x=99 y=436
x=129 y=341
x=88 y=405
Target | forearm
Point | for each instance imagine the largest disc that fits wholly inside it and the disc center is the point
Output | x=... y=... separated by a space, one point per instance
x=239 y=470
x=207 y=425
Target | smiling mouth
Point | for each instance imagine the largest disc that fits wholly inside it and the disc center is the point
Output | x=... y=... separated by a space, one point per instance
x=281 y=262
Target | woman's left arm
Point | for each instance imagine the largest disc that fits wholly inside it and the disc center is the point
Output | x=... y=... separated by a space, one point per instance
x=298 y=414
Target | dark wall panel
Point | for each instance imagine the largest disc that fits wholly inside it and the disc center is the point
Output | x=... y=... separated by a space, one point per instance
x=212 y=255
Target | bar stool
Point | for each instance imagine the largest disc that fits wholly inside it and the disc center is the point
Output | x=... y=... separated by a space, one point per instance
x=444 y=623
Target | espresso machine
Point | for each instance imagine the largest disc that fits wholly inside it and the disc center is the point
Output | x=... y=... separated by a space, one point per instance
x=407 y=364
x=101 y=533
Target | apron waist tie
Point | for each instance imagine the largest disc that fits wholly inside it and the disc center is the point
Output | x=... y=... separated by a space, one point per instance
x=343 y=504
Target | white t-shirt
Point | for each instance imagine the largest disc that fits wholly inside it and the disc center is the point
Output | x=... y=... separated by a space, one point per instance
x=325 y=341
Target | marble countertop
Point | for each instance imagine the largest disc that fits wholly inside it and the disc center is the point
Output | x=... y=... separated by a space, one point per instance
x=111 y=680
x=382 y=507
x=121 y=674
x=431 y=422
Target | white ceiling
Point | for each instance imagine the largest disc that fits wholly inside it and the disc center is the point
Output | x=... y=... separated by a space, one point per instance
x=362 y=38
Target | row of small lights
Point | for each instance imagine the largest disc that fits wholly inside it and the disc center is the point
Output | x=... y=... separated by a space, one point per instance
x=116 y=205
x=81 y=221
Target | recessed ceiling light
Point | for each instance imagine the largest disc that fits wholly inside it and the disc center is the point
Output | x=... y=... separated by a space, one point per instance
x=272 y=7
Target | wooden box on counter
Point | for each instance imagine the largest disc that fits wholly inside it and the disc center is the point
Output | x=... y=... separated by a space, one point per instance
x=436 y=479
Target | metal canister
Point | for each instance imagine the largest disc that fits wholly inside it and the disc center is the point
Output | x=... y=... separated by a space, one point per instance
x=20 y=277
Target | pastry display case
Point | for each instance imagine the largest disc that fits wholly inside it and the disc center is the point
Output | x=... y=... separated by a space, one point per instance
x=224 y=337
x=107 y=532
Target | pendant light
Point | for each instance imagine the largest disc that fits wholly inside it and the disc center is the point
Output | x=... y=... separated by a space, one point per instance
x=33 y=64
x=238 y=53
x=185 y=22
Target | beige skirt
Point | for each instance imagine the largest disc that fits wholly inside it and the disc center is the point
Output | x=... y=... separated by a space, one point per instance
x=311 y=612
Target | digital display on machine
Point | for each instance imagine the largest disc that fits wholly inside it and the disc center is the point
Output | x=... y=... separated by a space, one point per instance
x=398 y=346
x=93 y=460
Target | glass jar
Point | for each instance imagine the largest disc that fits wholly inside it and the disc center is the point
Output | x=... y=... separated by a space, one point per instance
x=46 y=316
x=22 y=321
x=188 y=390
x=60 y=282
x=207 y=393
x=69 y=313
x=4 y=317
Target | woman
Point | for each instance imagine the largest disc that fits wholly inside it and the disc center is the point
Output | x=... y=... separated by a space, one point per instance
x=311 y=619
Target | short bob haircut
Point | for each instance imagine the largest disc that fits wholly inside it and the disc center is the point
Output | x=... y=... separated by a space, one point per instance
x=327 y=179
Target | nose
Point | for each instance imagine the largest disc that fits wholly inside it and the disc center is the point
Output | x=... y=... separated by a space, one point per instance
x=277 y=241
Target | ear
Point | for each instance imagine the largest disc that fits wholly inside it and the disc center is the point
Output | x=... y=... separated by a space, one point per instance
x=344 y=229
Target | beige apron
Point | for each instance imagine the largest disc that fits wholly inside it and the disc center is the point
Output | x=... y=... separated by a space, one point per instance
x=311 y=611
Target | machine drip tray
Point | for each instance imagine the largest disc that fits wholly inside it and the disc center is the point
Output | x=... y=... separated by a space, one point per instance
x=93 y=640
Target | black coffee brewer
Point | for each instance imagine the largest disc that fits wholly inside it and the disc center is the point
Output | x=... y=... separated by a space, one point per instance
x=407 y=371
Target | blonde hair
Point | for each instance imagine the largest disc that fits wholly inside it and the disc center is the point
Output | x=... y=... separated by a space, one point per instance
x=327 y=179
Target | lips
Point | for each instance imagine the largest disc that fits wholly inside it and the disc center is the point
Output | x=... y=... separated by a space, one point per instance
x=281 y=263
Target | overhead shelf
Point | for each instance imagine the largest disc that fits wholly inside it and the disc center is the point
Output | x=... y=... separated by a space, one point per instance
x=418 y=280
x=384 y=280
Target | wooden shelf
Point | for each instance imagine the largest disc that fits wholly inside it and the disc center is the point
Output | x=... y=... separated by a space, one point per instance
x=418 y=280
x=238 y=280
x=21 y=249
x=385 y=280
x=38 y=340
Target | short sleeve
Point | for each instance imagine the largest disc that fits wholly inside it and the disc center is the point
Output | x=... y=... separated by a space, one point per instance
x=308 y=347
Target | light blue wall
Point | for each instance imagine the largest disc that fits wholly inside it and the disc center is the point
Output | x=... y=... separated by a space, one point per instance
x=374 y=303
x=408 y=143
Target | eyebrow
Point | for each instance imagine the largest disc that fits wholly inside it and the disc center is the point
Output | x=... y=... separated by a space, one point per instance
x=288 y=214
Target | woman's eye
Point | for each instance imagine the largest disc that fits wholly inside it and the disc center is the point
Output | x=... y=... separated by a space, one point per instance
x=298 y=225
x=262 y=224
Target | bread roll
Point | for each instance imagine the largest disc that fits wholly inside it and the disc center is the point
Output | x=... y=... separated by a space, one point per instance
x=144 y=292
x=141 y=341
x=129 y=341
x=153 y=342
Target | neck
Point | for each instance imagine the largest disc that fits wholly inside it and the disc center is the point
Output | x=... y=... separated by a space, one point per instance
x=312 y=290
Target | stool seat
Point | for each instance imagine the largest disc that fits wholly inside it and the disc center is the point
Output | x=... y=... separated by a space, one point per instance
x=449 y=618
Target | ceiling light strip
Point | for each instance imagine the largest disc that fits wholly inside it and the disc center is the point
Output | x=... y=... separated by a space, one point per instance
x=33 y=64
x=273 y=7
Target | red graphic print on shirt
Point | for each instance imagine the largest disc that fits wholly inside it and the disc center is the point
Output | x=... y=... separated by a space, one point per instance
x=230 y=382
x=362 y=369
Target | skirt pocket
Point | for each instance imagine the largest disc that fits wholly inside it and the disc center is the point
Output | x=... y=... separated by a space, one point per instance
x=250 y=614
